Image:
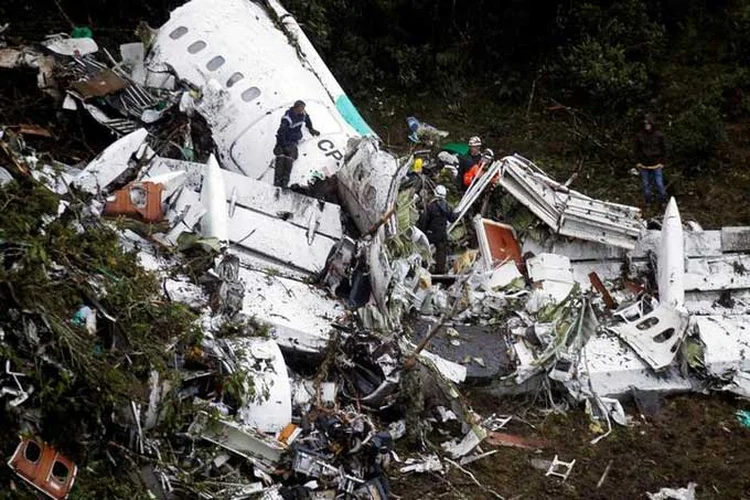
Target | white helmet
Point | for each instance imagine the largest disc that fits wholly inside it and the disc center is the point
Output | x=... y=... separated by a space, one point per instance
x=440 y=191
x=475 y=141
x=489 y=154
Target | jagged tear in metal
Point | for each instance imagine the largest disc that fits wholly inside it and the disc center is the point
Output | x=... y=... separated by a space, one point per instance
x=569 y=212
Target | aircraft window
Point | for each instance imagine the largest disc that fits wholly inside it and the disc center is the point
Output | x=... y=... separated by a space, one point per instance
x=234 y=79
x=196 y=47
x=32 y=452
x=215 y=63
x=60 y=471
x=178 y=32
x=250 y=94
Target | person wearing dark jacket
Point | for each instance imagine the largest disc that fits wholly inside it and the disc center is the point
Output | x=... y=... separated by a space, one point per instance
x=650 y=154
x=287 y=137
x=466 y=162
x=434 y=222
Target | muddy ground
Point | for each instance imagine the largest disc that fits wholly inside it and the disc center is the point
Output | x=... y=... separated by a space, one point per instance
x=691 y=438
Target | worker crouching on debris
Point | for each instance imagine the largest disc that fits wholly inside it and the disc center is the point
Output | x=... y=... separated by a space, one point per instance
x=434 y=223
x=287 y=138
x=466 y=162
x=650 y=151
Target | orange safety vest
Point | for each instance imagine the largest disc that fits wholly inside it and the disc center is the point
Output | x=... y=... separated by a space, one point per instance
x=476 y=170
x=471 y=173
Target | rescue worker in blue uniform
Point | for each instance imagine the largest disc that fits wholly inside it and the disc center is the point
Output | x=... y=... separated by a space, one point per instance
x=287 y=138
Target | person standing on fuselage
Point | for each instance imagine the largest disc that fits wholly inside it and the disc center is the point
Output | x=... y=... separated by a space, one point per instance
x=287 y=137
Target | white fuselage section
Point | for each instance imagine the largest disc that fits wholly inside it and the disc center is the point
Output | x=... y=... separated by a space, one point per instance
x=252 y=63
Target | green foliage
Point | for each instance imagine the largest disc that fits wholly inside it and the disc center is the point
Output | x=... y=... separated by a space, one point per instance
x=249 y=327
x=240 y=387
x=695 y=135
x=739 y=34
x=55 y=267
x=604 y=73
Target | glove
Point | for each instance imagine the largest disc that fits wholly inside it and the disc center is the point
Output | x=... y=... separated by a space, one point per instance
x=314 y=132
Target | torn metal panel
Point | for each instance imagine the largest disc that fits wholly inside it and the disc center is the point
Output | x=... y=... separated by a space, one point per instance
x=475 y=191
x=268 y=226
x=300 y=314
x=133 y=56
x=368 y=184
x=431 y=463
x=294 y=207
x=380 y=275
x=657 y=335
x=110 y=163
x=158 y=390
x=726 y=342
x=121 y=126
x=55 y=179
x=727 y=302
x=99 y=85
x=305 y=392
x=497 y=243
x=503 y=276
x=182 y=290
x=270 y=410
x=613 y=369
x=258 y=70
x=552 y=274
x=697 y=244
x=566 y=211
x=70 y=46
x=728 y=272
x=671 y=261
x=11 y=58
x=735 y=239
x=244 y=441
x=184 y=215
x=471 y=440
x=451 y=371
x=595 y=220
x=482 y=342
x=276 y=240
x=607 y=270
x=6 y=177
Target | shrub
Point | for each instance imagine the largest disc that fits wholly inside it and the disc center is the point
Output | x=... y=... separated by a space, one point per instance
x=695 y=135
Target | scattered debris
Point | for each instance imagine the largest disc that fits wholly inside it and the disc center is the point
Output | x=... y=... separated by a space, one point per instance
x=560 y=469
x=674 y=494
x=233 y=336
x=509 y=440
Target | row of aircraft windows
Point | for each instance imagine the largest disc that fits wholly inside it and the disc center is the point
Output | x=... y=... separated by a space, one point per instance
x=215 y=63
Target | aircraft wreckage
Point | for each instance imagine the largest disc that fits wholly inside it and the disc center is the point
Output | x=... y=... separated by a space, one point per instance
x=566 y=292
